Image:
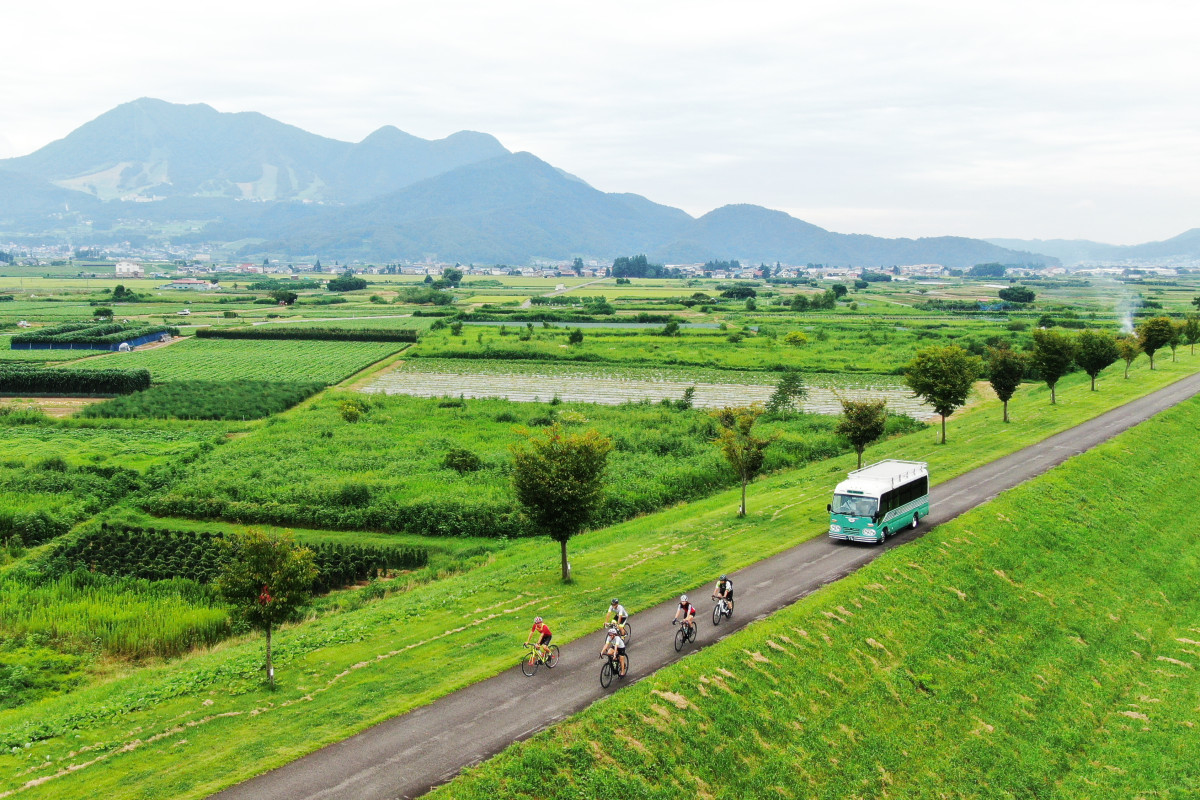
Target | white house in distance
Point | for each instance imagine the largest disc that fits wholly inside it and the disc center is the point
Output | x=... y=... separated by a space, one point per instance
x=191 y=284
x=130 y=269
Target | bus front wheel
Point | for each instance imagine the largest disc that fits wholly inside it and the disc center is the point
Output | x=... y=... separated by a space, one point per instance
x=916 y=519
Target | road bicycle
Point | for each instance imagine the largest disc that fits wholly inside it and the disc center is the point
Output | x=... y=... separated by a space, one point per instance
x=612 y=669
x=535 y=658
x=685 y=634
x=721 y=608
x=624 y=626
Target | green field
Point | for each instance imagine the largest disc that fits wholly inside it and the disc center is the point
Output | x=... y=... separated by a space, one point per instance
x=1018 y=651
x=230 y=360
x=381 y=658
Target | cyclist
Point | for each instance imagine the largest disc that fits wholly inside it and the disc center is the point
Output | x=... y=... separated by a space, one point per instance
x=543 y=632
x=686 y=610
x=618 y=614
x=724 y=589
x=614 y=645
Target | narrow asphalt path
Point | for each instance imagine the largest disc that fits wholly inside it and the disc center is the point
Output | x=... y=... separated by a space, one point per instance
x=407 y=755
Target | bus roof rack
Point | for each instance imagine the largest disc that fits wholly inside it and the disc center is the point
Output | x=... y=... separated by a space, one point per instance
x=891 y=471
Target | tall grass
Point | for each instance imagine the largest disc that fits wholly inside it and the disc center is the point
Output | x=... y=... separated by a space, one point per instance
x=124 y=617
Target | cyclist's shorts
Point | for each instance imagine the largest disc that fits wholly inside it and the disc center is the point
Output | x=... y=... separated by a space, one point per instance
x=545 y=639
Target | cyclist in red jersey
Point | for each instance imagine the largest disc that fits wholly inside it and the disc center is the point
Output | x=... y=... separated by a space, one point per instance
x=543 y=633
x=686 y=610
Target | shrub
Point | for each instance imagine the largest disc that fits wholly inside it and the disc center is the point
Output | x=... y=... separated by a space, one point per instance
x=21 y=379
x=795 y=338
x=289 y=332
x=461 y=460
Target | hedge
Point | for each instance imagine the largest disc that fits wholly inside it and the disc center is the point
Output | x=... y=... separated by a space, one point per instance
x=285 y=332
x=90 y=333
x=21 y=379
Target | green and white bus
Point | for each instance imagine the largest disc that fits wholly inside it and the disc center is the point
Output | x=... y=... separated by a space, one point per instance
x=876 y=501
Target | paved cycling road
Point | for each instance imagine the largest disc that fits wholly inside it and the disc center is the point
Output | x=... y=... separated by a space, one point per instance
x=409 y=754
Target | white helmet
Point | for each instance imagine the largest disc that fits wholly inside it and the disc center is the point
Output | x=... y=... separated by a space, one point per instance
x=683 y=599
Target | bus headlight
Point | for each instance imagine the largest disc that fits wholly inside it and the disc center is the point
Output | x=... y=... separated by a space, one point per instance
x=869 y=532
x=835 y=528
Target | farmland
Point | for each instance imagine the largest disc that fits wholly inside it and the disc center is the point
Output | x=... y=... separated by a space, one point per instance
x=227 y=360
x=614 y=384
x=184 y=458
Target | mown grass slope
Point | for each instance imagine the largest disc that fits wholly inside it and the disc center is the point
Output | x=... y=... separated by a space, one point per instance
x=1045 y=644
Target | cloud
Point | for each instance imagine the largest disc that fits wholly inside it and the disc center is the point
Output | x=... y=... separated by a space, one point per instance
x=1023 y=118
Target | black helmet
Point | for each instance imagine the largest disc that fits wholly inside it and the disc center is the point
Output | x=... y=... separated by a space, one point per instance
x=724 y=577
x=616 y=602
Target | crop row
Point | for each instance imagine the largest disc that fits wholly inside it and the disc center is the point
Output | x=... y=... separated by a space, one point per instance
x=228 y=400
x=23 y=379
x=89 y=333
x=162 y=554
x=324 y=334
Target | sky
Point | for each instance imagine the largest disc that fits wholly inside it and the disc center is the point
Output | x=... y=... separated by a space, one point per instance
x=1021 y=119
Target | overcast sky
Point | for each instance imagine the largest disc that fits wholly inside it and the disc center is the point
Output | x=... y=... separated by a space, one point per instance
x=1057 y=119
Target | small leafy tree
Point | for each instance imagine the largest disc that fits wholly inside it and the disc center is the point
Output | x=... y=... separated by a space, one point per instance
x=1176 y=337
x=102 y=313
x=1096 y=351
x=575 y=337
x=1154 y=334
x=1017 y=294
x=1128 y=348
x=942 y=377
x=862 y=422
x=1053 y=356
x=744 y=451
x=1006 y=368
x=452 y=276
x=787 y=395
x=558 y=479
x=1191 y=332
x=267 y=578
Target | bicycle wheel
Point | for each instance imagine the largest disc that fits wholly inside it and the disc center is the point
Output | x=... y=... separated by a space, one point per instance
x=628 y=631
x=680 y=639
x=552 y=659
x=692 y=632
x=529 y=665
x=717 y=613
x=606 y=674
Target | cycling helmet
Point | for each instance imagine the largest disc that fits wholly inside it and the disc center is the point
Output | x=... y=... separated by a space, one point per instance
x=683 y=599
x=616 y=602
x=536 y=620
x=724 y=577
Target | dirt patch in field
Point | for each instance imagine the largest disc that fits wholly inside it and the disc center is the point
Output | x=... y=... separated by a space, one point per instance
x=57 y=407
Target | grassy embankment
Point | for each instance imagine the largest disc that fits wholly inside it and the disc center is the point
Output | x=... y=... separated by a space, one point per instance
x=188 y=727
x=1045 y=644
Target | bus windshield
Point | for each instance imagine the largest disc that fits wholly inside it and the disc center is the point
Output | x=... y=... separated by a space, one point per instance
x=855 y=505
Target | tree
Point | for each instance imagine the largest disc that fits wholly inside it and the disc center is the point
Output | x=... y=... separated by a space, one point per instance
x=788 y=392
x=575 y=337
x=283 y=296
x=1196 y=301
x=267 y=578
x=942 y=377
x=452 y=276
x=102 y=313
x=1006 y=368
x=558 y=479
x=863 y=421
x=1153 y=334
x=1096 y=351
x=839 y=290
x=742 y=449
x=577 y=265
x=1128 y=348
x=1176 y=337
x=1017 y=294
x=992 y=270
x=347 y=282
x=1191 y=331
x=1053 y=356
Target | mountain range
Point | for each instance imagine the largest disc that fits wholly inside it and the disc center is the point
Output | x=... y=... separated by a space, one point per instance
x=151 y=172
